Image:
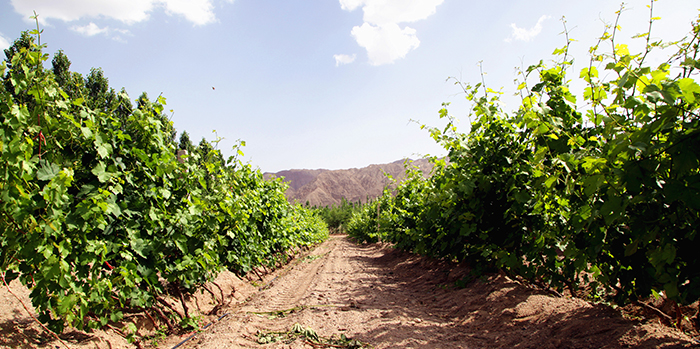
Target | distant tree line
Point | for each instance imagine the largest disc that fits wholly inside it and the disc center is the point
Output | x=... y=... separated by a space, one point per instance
x=337 y=217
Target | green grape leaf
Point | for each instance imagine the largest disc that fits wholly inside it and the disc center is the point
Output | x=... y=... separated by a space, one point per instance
x=101 y=172
x=47 y=171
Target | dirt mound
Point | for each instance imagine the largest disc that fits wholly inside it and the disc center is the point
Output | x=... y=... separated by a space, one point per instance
x=391 y=299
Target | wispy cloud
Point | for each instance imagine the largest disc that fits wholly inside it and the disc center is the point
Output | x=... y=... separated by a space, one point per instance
x=523 y=34
x=122 y=31
x=344 y=59
x=119 y=39
x=199 y=12
x=380 y=34
x=93 y=29
x=89 y=30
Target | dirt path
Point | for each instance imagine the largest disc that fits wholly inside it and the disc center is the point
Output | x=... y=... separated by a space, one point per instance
x=391 y=299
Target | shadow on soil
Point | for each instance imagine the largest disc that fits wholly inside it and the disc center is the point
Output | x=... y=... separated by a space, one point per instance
x=423 y=308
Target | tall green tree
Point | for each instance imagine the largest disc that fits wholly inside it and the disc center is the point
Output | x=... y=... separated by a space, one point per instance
x=185 y=142
x=99 y=95
x=61 y=68
x=70 y=82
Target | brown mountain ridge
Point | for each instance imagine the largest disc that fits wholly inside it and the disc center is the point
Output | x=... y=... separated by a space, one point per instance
x=328 y=187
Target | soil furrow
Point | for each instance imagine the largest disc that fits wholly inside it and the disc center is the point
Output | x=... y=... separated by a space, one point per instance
x=393 y=299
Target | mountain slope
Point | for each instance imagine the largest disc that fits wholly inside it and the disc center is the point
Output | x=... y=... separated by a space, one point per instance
x=329 y=187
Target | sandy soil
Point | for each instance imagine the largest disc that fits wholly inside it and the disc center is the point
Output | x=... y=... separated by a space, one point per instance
x=381 y=297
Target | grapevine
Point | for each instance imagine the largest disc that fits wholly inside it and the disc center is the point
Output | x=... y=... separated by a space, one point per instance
x=98 y=215
x=603 y=193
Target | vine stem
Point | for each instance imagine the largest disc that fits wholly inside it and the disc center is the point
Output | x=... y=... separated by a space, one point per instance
x=182 y=300
x=155 y=325
x=656 y=311
x=222 y=291
x=204 y=286
x=679 y=316
x=483 y=81
x=162 y=315
x=39 y=136
x=30 y=313
x=165 y=303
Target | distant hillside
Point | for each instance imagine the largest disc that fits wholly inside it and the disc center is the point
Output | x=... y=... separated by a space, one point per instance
x=328 y=187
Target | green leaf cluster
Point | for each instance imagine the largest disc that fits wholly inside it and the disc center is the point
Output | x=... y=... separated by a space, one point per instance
x=606 y=191
x=98 y=216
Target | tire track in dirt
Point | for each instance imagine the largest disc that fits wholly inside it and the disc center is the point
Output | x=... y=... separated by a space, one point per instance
x=321 y=273
x=393 y=299
x=387 y=298
x=288 y=288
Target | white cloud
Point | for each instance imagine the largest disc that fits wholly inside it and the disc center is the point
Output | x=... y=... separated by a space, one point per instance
x=526 y=34
x=93 y=29
x=119 y=39
x=89 y=30
x=199 y=12
x=392 y=11
x=4 y=43
x=128 y=11
x=380 y=34
x=350 y=5
x=385 y=43
x=122 y=31
x=344 y=59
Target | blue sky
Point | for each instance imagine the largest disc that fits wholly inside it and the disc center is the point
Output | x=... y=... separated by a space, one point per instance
x=322 y=83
